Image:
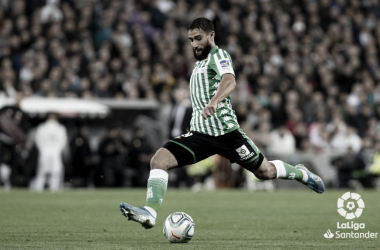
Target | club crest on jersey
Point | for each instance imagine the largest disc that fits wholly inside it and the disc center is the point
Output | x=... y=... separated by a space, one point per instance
x=225 y=64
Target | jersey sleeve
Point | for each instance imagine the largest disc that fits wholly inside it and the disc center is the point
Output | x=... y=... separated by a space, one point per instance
x=222 y=63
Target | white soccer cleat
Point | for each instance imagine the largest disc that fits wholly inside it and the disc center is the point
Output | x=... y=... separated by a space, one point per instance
x=138 y=214
x=314 y=182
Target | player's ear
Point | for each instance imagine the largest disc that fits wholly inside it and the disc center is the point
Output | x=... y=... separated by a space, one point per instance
x=211 y=35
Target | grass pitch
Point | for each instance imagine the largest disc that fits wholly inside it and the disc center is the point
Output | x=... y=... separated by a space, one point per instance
x=227 y=219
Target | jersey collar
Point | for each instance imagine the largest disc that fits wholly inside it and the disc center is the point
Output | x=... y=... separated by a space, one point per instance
x=214 y=50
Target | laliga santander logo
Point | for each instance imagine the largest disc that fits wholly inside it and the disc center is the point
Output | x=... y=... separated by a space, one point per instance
x=347 y=204
x=350 y=206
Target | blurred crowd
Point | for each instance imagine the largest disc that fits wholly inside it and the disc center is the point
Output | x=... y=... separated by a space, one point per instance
x=307 y=71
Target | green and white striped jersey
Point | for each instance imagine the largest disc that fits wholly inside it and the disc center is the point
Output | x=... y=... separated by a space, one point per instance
x=204 y=83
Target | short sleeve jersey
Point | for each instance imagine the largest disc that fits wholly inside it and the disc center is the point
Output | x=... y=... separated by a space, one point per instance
x=204 y=83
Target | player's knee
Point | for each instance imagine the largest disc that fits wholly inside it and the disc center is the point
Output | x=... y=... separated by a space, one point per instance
x=156 y=163
x=163 y=159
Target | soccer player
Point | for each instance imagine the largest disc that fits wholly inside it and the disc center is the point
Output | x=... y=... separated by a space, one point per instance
x=213 y=130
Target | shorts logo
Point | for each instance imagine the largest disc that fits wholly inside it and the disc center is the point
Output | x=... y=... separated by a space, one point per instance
x=224 y=64
x=243 y=151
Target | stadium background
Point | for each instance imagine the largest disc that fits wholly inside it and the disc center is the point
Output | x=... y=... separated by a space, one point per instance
x=116 y=72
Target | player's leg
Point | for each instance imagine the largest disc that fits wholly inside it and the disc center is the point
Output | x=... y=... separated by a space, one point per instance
x=281 y=170
x=54 y=181
x=244 y=152
x=161 y=162
x=5 y=176
x=56 y=172
x=181 y=151
x=42 y=171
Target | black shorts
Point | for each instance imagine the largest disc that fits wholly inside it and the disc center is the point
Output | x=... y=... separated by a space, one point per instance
x=193 y=147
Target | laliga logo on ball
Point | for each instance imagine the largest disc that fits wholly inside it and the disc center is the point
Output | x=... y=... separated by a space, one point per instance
x=350 y=201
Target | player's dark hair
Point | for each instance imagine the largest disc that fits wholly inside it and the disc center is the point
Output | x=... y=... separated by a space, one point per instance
x=202 y=24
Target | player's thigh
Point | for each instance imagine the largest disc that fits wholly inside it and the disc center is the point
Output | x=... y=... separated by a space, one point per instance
x=238 y=147
x=190 y=148
x=163 y=159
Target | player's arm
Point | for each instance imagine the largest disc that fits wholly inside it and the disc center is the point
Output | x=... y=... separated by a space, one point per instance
x=226 y=87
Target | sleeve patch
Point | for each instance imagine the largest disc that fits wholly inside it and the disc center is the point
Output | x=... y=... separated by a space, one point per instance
x=225 y=64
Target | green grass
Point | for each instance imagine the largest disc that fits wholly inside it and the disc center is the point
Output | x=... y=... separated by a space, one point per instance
x=228 y=219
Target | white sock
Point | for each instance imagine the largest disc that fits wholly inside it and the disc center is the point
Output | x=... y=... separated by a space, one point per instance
x=159 y=173
x=281 y=172
x=305 y=176
x=151 y=211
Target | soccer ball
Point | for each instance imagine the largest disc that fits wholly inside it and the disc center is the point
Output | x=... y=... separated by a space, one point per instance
x=179 y=228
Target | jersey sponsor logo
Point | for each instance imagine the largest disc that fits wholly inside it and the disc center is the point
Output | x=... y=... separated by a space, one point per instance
x=225 y=64
x=200 y=71
x=216 y=77
x=244 y=152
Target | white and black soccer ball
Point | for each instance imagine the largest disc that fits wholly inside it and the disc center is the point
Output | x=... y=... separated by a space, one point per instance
x=179 y=228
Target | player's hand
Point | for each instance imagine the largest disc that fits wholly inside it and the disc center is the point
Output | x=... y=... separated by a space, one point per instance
x=209 y=110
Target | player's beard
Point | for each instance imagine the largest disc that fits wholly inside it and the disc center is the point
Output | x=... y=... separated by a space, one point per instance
x=206 y=50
